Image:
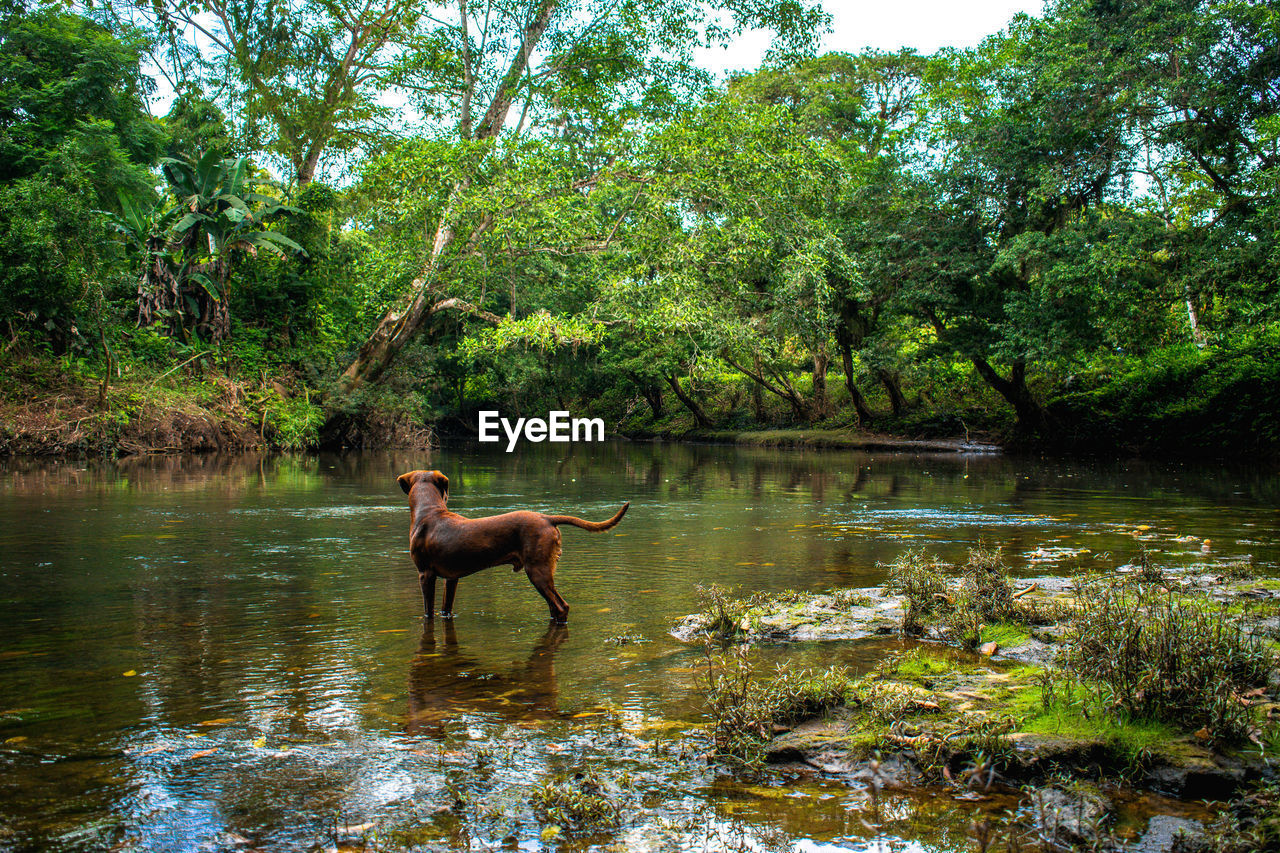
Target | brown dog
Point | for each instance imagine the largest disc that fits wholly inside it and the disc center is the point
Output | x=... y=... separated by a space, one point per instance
x=444 y=544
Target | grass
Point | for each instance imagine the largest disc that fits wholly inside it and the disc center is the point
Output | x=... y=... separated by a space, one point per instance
x=971 y=604
x=1130 y=742
x=1005 y=634
x=921 y=581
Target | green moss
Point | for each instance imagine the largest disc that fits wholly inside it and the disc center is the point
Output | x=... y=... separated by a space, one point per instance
x=1005 y=634
x=1130 y=740
x=917 y=666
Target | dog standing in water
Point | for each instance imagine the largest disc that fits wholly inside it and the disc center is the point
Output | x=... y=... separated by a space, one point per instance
x=444 y=544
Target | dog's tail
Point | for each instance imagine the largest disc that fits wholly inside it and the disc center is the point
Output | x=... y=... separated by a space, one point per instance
x=593 y=526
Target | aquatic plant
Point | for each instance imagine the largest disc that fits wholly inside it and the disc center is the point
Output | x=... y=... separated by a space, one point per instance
x=745 y=707
x=1251 y=823
x=851 y=598
x=985 y=590
x=580 y=803
x=722 y=611
x=1157 y=655
x=921 y=580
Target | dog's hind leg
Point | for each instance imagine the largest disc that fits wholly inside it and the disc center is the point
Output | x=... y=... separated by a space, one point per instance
x=542 y=576
x=427 y=580
x=450 y=589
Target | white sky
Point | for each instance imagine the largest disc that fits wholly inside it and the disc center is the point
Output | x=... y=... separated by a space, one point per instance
x=888 y=25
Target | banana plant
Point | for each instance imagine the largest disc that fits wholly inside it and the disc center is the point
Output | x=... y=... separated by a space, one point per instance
x=187 y=249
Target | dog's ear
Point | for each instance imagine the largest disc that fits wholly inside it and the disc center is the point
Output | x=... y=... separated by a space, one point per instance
x=406 y=481
x=441 y=482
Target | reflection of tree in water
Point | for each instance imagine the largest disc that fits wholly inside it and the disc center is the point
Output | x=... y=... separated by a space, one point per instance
x=447 y=682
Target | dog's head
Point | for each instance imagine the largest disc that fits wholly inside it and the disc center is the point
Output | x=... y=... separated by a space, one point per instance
x=435 y=478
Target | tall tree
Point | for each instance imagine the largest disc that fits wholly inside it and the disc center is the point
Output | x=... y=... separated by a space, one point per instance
x=73 y=131
x=581 y=75
x=302 y=81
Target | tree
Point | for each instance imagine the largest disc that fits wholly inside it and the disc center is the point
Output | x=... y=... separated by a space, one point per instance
x=73 y=131
x=186 y=251
x=603 y=65
x=870 y=110
x=1031 y=138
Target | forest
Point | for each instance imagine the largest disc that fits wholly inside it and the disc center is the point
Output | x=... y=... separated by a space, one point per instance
x=359 y=222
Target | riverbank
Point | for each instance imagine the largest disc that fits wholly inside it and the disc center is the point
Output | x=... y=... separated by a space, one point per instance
x=50 y=410
x=1078 y=693
x=835 y=439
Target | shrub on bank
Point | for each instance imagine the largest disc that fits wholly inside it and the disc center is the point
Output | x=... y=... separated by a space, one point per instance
x=744 y=707
x=1221 y=399
x=1152 y=654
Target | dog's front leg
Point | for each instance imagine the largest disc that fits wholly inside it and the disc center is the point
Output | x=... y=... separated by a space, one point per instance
x=427 y=580
x=450 y=589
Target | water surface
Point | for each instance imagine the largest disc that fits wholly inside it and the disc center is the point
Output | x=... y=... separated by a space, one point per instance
x=228 y=652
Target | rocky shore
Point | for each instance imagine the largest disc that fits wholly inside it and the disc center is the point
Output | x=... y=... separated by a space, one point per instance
x=992 y=694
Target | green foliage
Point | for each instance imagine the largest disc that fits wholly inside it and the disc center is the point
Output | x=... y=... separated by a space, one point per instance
x=921 y=580
x=71 y=92
x=1065 y=234
x=73 y=131
x=1151 y=654
x=744 y=706
x=294 y=423
x=47 y=232
x=1181 y=397
x=581 y=803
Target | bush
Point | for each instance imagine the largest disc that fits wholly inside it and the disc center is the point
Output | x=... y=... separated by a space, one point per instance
x=1224 y=399
x=984 y=586
x=744 y=707
x=1154 y=655
x=921 y=580
x=295 y=422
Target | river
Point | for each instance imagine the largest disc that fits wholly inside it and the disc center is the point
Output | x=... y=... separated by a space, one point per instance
x=228 y=652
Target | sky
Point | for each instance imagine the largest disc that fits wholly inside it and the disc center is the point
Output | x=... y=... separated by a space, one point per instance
x=889 y=25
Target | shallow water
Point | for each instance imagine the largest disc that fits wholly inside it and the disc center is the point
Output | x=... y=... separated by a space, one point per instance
x=229 y=652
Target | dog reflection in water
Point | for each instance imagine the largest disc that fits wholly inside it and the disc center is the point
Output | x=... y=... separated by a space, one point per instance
x=446 y=682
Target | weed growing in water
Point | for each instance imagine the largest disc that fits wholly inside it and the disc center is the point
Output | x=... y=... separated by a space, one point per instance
x=981 y=594
x=723 y=610
x=1252 y=823
x=921 y=580
x=851 y=598
x=1239 y=570
x=745 y=707
x=984 y=587
x=1154 y=655
x=579 y=803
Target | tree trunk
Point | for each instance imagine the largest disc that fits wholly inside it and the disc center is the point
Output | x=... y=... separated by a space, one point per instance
x=894 y=388
x=821 y=362
x=800 y=409
x=1031 y=417
x=699 y=416
x=1193 y=317
x=757 y=403
x=859 y=402
x=397 y=328
x=653 y=396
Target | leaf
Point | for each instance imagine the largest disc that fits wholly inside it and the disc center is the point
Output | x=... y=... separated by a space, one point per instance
x=189 y=221
x=129 y=673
